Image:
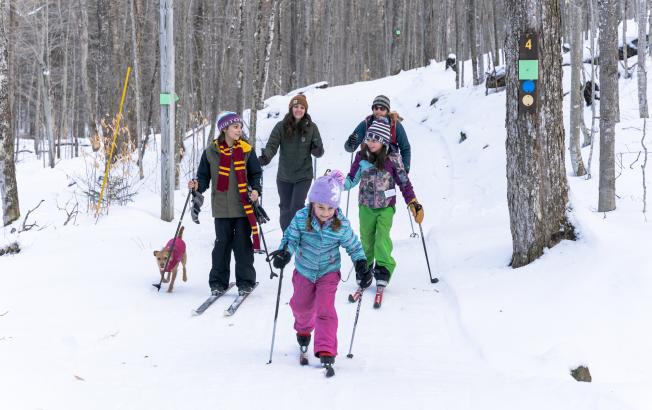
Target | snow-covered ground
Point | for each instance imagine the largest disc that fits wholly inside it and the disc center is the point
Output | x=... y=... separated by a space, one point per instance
x=81 y=327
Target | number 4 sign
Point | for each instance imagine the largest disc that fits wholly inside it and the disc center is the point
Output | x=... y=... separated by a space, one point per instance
x=528 y=72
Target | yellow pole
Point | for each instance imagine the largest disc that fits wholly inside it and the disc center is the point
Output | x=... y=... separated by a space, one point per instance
x=115 y=136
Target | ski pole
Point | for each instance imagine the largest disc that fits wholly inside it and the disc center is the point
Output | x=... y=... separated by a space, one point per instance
x=348 y=193
x=176 y=234
x=423 y=240
x=413 y=234
x=278 y=298
x=261 y=218
x=271 y=271
x=355 y=325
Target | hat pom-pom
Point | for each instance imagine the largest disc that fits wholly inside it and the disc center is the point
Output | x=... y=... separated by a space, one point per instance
x=338 y=176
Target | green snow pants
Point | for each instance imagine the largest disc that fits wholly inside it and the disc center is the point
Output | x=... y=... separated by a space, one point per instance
x=375 y=225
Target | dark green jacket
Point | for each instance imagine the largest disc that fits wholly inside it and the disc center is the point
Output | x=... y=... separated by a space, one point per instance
x=295 y=162
x=227 y=204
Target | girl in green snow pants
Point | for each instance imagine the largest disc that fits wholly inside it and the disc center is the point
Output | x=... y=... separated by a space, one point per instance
x=375 y=225
x=379 y=170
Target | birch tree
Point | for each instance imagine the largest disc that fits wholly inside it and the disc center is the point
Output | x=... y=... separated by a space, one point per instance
x=577 y=106
x=608 y=100
x=8 y=185
x=263 y=40
x=642 y=68
x=537 y=190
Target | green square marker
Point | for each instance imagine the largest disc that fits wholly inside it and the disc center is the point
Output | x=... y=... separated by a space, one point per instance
x=166 y=99
x=528 y=69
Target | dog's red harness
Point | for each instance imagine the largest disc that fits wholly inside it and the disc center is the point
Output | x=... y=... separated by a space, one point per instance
x=177 y=253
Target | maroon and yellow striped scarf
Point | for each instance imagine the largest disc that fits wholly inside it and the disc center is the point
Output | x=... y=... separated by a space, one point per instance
x=237 y=154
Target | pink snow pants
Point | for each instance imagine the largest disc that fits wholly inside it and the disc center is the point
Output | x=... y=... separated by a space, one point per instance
x=313 y=307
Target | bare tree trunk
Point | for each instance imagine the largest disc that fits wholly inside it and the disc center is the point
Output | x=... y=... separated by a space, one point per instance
x=167 y=110
x=577 y=106
x=624 y=20
x=304 y=72
x=8 y=185
x=470 y=20
x=537 y=190
x=608 y=100
x=268 y=50
x=63 y=124
x=480 y=38
x=240 y=99
x=642 y=68
x=44 y=85
x=588 y=138
x=182 y=108
x=397 y=31
x=38 y=138
x=135 y=55
x=90 y=128
x=74 y=127
x=458 y=45
x=495 y=28
x=263 y=40
x=649 y=6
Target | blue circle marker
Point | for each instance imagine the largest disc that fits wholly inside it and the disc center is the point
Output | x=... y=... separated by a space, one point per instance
x=528 y=86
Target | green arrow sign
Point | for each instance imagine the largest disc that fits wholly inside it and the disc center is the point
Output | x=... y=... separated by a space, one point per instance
x=166 y=99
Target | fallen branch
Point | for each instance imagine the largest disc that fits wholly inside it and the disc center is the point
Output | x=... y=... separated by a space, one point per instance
x=30 y=226
x=72 y=213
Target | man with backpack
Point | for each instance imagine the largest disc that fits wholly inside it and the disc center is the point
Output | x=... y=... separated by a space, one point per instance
x=381 y=113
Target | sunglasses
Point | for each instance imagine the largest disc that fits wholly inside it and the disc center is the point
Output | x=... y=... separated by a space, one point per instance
x=372 y=136
x=379 y=108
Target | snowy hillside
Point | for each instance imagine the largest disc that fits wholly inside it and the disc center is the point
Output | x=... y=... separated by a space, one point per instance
x=81 y=327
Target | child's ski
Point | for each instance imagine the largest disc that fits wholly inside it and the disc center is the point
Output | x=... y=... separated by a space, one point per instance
x=211 y=299
x=378 y=300
x=353 y=297
x=230 y=311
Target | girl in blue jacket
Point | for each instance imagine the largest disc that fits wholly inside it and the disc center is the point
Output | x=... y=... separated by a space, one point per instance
x=314 y=236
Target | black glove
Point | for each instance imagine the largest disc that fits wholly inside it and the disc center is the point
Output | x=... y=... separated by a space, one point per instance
x=197 y=202
x=280 y=258
x=259 y=213
x=363 y=274
x=351 y=143
x=263 y=158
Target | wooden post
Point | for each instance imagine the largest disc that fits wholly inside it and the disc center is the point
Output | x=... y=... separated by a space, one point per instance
x=167 y=101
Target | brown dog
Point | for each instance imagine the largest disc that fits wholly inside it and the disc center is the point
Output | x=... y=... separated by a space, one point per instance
x=178 y=255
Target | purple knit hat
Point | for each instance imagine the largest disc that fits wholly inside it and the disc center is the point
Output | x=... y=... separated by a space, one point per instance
x=227 y=118
x=327 y=189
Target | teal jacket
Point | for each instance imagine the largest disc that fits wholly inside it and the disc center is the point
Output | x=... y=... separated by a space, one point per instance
x=317 y=253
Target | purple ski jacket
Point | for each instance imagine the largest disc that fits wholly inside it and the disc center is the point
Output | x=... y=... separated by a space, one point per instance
x=378 y=186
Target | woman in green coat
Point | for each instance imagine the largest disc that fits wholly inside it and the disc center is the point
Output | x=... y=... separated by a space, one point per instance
x=298 y=139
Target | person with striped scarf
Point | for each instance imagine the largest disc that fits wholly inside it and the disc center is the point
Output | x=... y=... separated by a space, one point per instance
x=231 y=168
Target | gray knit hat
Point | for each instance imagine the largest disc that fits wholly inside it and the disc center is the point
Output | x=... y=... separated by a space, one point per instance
x=381 y=100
